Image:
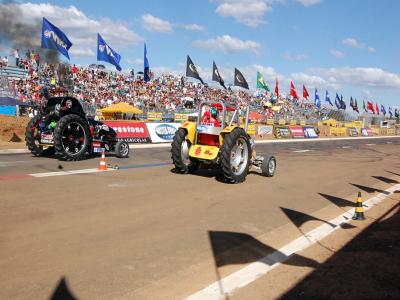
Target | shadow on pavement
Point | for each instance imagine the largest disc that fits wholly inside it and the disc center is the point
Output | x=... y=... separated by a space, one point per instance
x=340 y=202
x=385 y=179
x=363 y=269
x=230 y=248
x=369 y=190
x=397 y=174
x=299 y=218
x=62 y=291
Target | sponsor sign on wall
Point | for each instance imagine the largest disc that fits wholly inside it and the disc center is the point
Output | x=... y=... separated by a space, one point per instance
x=282 y=132
x=309 y=132
x=366 y=131
x=154 y=116
x=353 y=131
x=162 y=132
x=131 y=132
x=297 y=131
x=180 y=117
x=265 y=130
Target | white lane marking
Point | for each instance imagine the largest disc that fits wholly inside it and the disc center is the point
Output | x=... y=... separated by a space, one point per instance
x=346 y=147
x=10 y=163
x=254 y=270
x=389 y=142
x=63 y=173
x=370 y=144
x=167 y=145
x=302 y=151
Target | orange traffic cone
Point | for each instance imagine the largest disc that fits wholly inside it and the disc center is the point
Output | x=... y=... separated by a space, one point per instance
x=102 y=164
x=359 y=211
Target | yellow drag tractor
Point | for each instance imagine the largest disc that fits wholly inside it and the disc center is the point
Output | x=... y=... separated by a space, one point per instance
x=219 y=138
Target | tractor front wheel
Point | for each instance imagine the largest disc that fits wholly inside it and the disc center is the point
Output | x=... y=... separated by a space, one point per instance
x=235 y=156
x=180 y=153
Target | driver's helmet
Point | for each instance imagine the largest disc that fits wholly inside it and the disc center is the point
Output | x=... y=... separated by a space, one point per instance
x=214 y=112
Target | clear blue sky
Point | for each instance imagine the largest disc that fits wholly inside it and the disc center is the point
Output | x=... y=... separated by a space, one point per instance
x=346 y=46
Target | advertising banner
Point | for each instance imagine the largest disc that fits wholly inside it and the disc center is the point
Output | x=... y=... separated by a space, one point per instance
x=297 y=131
x=282 y=132
x=309 y=132
x=131 y=132
x=366 y=131
x=154 y=116
x=180 y=117
x=265 y=130
x=353 y=131
x=162 y=132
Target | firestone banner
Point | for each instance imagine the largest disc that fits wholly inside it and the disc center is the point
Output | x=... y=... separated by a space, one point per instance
x=131 y=132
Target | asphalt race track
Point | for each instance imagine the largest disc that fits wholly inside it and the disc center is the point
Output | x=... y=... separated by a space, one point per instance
x=145 y=232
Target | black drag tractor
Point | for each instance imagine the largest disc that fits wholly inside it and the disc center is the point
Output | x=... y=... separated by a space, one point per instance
x=62 y=128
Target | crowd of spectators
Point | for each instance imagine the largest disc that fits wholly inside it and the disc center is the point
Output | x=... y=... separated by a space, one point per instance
x=101 y=88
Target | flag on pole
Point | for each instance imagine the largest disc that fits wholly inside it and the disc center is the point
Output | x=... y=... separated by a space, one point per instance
x=239 y=80
x=316 y=99
x=216 y=76
x=276 y=88
x=351 y=102
x=337 y=102
x=383 y=110
x=356 y=106
x=370 y=106
x=328 y=98
x=261 y=82
x=365 y=107
x=293 y=92
x=305 y=92
x=191 y=70
x=377 y=109
x=390 y=112
x=342 y=103
x=54 y=38
x=146 y=66
x=106 y=53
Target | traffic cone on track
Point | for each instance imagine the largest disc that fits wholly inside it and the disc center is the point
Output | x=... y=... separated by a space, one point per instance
x=359 y=211
x=102 y=164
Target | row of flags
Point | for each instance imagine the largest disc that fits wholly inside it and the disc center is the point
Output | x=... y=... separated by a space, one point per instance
x=55 y=38
x=239 y=80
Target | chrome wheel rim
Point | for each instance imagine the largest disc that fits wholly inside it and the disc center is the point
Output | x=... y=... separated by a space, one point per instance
x=239 y=156
x=185 y=153
x=124 y=149
x=271 y=166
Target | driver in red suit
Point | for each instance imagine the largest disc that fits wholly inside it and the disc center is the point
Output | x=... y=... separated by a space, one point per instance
x=210 y=117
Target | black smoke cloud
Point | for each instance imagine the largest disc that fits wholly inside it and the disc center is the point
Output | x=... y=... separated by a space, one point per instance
x=21 y=35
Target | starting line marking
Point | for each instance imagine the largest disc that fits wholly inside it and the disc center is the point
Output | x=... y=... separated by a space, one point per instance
x=63 y=173
x=302 y=151
x=254 y=270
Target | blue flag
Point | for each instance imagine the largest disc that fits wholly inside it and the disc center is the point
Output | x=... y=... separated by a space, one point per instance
x=342 y=103
x=383 y=110
x=146 y=71
x=390 y=112
x=337 y=102
x=316 y=99
x=54 y=38
x=328 y=98
x=106 y=53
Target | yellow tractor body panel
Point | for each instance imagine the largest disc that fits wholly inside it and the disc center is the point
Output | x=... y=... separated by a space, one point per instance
x=191 y=130
x=203 y=152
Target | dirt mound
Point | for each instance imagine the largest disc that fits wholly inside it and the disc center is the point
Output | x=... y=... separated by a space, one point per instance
x=12 y=129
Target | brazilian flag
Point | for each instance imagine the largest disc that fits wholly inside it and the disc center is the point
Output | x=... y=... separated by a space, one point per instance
x=261 y=82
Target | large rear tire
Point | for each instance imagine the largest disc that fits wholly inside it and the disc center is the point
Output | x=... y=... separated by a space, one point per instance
x=180 y=153
x=72 y=138
x=32 y=138
x=235 y=156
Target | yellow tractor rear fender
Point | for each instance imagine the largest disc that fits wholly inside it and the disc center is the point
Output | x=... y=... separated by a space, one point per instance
x=191 y=130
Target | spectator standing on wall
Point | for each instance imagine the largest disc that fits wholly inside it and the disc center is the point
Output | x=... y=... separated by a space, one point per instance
x=37 y=60
x=16 y=55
